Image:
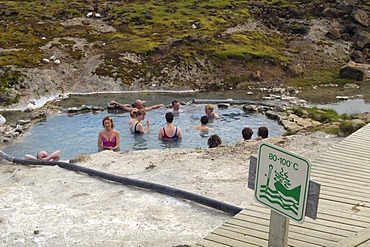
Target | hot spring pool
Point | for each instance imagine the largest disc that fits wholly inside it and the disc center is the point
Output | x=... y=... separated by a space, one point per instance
x=78 y=133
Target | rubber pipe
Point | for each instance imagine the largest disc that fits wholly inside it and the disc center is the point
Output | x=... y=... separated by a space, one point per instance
x=132 y=182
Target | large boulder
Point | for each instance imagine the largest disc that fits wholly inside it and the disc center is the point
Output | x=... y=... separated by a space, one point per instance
x=351 y=71
x=361 y=39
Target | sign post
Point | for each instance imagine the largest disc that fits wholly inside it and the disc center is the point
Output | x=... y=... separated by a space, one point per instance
x=282 y=181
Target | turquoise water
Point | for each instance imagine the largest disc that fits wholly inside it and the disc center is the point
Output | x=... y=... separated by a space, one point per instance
x=78 y=133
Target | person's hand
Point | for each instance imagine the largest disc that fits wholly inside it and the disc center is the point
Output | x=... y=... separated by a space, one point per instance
x=113 y=102
x=148 y=122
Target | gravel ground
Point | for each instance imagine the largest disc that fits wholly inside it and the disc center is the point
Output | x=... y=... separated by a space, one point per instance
x=51 y=206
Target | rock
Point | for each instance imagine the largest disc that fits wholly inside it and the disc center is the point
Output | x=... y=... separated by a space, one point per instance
x=80 y=158
x=351 y=86
x=357 y=124
x=38 y=114
x=361 y=17
x=351 y=72
x=19 y=128
x=23 y=122
x=250 y=108
x=357 y=56
x=223 y=105
x=72 y=109
x=333 y=34
x=342 y=97
x=272 y=115
x=2 y=120
x=86 y=22
x=361 y=39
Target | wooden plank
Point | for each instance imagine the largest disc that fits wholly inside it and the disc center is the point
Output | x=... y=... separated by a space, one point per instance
x=345 y=221
x=349 y=212
x=343 y=200
x=359 y=193
x=249 y=236
x=357 y=239
x=356 y=173
x=291 y=242
x=322 y=226
x=340 y=165
x=323 y=179
x=210 y=243
x=344 y=195
x=222 y=236
x=323 y=222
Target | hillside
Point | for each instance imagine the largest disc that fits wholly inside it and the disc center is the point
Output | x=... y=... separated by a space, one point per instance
x=52 y=47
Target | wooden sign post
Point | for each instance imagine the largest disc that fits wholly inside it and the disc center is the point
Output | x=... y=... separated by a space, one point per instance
x=281 y=182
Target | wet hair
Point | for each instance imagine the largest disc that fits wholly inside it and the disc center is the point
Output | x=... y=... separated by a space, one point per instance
x=214 y=141
x=204 y=120
x=169 y=117
x=110 y=120
x=263 y=132
x=247 y=133
x=140 y=112
x=133 y=113
x=175 y=101
x=210 y=107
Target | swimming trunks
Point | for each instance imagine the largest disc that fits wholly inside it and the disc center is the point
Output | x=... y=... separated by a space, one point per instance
x=165 y=136
x=111 y=143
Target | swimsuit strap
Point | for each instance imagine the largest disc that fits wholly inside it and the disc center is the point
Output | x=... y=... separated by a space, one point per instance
x=175 y=135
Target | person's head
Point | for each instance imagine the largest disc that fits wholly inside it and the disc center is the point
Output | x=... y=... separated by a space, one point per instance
x=140 y=114
x=107 y=122
x=263 y=132
x=208 y=109
x=214 y=141
x=133 y=113
x=139 y=104
x=204 y=120
x=169 y=117
x=42 y=154
x=175 y=105
x=247 y=133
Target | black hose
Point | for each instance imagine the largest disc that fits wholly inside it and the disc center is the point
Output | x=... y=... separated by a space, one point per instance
x=132 y=182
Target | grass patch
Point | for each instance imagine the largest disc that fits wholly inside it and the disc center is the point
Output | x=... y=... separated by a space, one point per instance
x=322 y=76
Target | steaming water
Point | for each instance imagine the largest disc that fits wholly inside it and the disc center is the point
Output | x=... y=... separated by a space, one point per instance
x=78 y=133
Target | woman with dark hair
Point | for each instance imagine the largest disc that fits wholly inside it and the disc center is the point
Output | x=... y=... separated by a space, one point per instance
x=109 y=138
x=247 y=133
x=262 y=133
x=170 y=131
x=214 y=141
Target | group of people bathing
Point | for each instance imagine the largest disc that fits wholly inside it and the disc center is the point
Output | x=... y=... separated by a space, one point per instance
x=109 y=138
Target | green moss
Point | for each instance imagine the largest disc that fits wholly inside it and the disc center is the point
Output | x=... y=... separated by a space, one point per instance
x=9 y=78
x=252 y=44
x=319 y=77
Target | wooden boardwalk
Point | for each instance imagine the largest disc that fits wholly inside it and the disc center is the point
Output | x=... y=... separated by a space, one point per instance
x=343 y=218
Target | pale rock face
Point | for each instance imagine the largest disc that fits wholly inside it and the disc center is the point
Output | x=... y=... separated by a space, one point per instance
x=2 y=120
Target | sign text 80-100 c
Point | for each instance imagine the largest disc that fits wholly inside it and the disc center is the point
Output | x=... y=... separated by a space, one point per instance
x=283 y=161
